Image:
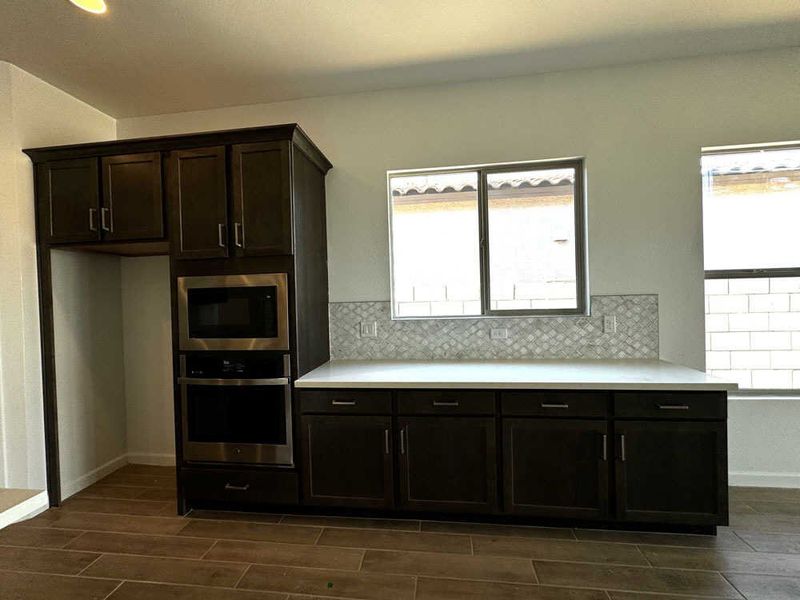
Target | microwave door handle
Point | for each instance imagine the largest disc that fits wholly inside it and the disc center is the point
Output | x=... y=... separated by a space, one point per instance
x=201 y=381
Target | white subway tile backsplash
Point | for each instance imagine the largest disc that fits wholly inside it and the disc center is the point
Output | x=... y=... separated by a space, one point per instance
x=795 y=303
x=750 y=359
x=754 y=285
x=716 y=286
x=730 y=341
x=771 y=340
x=786 y=359
x=718 y=359
x=784 y=284
x=748 y=322
x=784 y=321
x=742 y=377
x=717 y=323
x=769 y=303
x=772 y=379
x=728 y=304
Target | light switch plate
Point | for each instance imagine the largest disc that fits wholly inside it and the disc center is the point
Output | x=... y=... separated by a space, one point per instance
x=368 y=329
x=499 y=333
x=610 y=324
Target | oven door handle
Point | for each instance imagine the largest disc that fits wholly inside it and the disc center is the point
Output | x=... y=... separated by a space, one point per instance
x=201 y=381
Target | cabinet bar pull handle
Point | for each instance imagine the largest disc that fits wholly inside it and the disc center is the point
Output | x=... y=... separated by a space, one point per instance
x=238 y=235
x=386 y=440
x=343 y=402
x=103 y=214
x=673 y=406
x=444 y=403
x=92 y=219
x=237 y=488
x=622 y=455
x=220 y=234
x=403 y=440
x=553 y=405
x=605 y=447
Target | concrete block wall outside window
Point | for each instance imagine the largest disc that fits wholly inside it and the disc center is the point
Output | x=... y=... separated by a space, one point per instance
x=753 y=331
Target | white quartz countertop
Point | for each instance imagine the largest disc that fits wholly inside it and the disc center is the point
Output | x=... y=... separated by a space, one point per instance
x=512 y=374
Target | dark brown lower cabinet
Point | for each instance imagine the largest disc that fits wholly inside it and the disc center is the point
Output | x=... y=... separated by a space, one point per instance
x=448 y=464
x=671 y=472
x=556 y=467
x=347 y=460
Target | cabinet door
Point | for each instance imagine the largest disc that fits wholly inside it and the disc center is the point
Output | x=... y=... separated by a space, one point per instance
x=132 y=205
x=671 y=471
x=68 y=199
x=448 y=464
x=556 y=467
x=198 y=201
x=347 y=461
x=262 y=212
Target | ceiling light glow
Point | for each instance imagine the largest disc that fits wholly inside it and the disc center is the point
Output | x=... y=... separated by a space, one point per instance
x=97 y=7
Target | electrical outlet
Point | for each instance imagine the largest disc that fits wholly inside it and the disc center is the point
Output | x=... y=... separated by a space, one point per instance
x=368 y=329
x=609 y=324
x=499 y=334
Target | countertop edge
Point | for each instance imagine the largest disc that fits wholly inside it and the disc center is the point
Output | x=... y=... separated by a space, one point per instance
x=606 y=386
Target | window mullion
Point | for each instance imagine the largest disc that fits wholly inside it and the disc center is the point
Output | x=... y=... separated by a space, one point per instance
x=483 y=239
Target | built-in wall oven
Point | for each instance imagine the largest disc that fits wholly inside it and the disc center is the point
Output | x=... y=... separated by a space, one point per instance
x=236 y=407
x=234 y=312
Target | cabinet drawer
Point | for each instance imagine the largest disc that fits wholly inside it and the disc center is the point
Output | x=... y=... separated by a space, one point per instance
x=240 y=486
x=356 y=402
x=670 y=405
x=437 y=402
x=555 y=404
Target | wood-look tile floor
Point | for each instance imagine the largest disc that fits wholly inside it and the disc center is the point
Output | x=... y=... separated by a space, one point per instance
x=119 y=540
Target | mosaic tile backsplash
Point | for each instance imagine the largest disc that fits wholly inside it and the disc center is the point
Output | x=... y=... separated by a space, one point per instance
x=528 y=337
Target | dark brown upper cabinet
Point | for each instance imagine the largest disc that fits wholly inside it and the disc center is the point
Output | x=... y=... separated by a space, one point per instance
x=262 y=198
x=556 y=467
x=132 y=204
x=448 y=464
x=69 y=203
x=671 y=472
x=199 y=202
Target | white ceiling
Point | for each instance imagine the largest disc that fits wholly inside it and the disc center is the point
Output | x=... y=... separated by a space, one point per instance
x=157 y=56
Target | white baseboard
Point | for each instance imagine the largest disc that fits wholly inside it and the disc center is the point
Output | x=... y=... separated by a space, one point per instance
x=140 y=458
x=143 y=458
x=25 y=510
x=764 y=479
x=71 y=488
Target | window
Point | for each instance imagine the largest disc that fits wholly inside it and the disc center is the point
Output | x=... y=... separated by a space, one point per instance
x=751 y=211
x=488 y=240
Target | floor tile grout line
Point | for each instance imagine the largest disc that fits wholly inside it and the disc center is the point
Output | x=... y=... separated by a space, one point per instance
x=744 y=541
x=241 y=577
x=112 y=592
x=210 y=548
x=535 y=574
x=84 y=569
x=730 y=583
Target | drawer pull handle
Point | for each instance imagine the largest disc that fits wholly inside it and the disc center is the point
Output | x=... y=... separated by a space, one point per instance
x=605 y=447
x=673 y=407
x=622 y=453
x=237 y=488
x=554 y=405
x=343 y=402
x=386 y=441
x=445 y=403
x=403 y=440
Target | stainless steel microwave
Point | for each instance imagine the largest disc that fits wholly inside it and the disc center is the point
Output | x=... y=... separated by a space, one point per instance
x=234 y=312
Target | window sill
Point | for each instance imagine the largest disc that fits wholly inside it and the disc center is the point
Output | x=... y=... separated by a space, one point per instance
x=495 y=316
x=791 y=395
